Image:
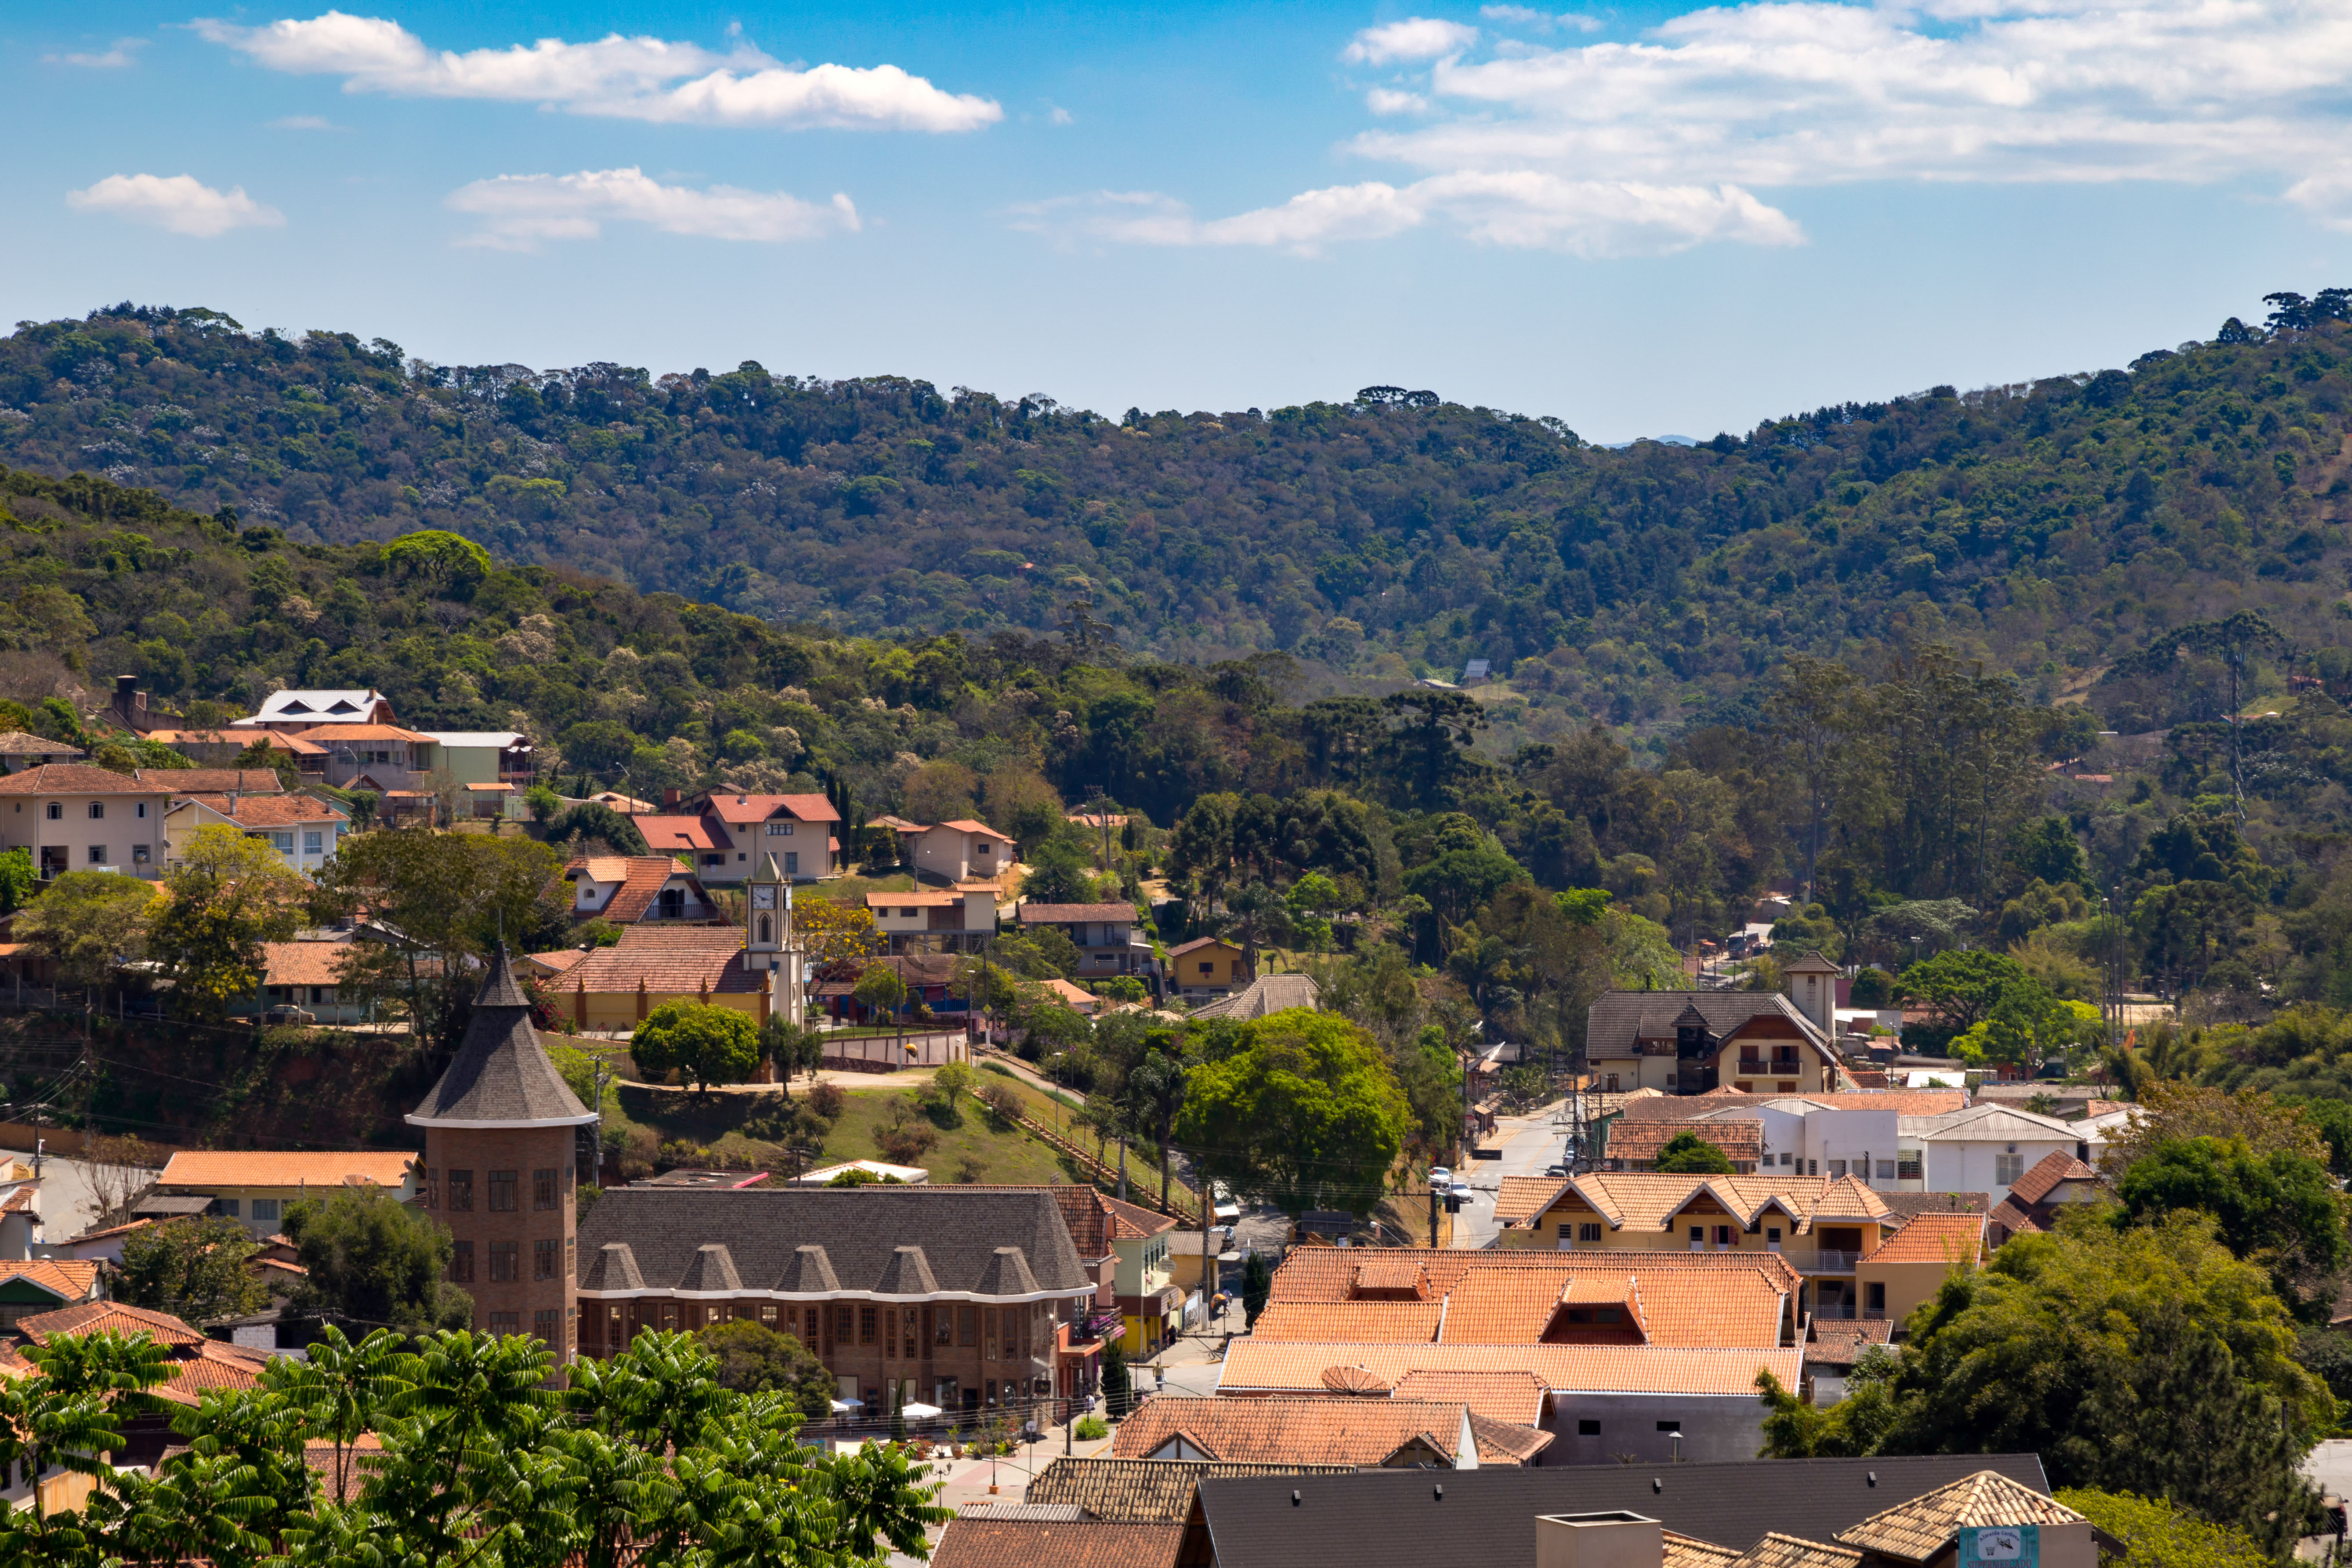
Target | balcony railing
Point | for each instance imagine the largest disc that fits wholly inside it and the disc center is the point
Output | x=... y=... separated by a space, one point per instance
x=1847 y=1312
x=1827 y=1261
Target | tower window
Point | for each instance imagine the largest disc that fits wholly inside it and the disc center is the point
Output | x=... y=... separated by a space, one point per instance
x=461 y=1263
x=461 y=1192
x=502 y=1192
x=543 y=1258
x=503 y=1258
x=542 y=1187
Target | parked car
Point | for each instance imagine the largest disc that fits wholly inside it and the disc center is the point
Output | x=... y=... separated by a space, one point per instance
x=1555 y=1170
x=286 y=1013
x=1441 y=1179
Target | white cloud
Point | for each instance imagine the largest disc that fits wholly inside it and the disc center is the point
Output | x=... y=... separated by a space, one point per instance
x=519 y=212
x=1383 y=101
x=1542 y=21
x=122 y=52
x=1582 y=217
x=1060 y=116
x=304 y=122
x=638 y=79
x=1415 y=38
x=180 y=203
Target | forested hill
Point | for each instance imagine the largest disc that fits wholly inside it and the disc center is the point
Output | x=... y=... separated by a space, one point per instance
x=2041 y=527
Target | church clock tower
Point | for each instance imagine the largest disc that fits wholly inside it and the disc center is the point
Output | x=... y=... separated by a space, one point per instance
x=500 y=1130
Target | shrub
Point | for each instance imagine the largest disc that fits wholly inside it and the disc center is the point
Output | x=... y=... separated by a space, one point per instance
x=829 y=1101
x=1092 y=1429
x=1004 y=1102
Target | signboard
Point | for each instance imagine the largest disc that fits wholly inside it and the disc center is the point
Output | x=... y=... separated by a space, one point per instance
x=2004 y=1546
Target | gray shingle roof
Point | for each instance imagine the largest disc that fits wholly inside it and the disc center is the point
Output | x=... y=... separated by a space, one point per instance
x=500 y=1075
x=1005 y=1244
x=1266 y=993
x=1621 y=1017
x=1376 y=1518
x=613 y=1267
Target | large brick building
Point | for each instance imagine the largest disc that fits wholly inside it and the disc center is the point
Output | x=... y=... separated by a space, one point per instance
x=499 y=1141
x=954 y=1296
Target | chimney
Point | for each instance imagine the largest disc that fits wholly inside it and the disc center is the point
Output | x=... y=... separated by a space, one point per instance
x=670 y=797
x=1612 y=1540
x=130 y=704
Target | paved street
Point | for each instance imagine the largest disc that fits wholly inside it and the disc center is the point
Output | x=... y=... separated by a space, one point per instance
x=1529 y=1143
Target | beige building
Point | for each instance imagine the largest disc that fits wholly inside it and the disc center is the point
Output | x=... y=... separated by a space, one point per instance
x=253 y=1186
x=1823 y=1227
x=929 y=921
x=76 y=817
x=1908 y=1270
x=19 y=751
x=961 y=851
x=1690 y=1042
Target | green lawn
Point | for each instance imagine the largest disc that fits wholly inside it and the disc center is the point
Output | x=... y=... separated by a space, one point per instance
x=715 y=1120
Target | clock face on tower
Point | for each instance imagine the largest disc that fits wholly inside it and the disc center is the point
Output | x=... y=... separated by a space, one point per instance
x=764 y=898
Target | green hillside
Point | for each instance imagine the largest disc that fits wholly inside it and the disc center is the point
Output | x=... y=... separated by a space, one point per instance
x=2041 y=527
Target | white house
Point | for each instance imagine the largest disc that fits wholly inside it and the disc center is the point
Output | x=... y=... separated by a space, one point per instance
x=292 y=712
x=1985 y=1148
x=1808 y=1138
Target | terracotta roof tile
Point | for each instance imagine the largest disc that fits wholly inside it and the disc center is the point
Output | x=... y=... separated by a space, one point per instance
x=975 y=1542
x=1146 y=1490
x=1133 y=1220
x=70 y=1278
x=1916 y=1530
x=1197 y=944
x=333 y=732
x=642 y=878
x=1935 y=1238
x=2048 y=1173
x=16 y=743
x=1514 y=1396
x=1778 y=1551
x=1599 y=1369
x=1904 y=1206
x=965 y=825
x=269 y=739
x=285 y=1168
x=1648 y=1200
x=101 y=1317
x=669 y=832
x=75 y=778
x=215 y=780
x=212 y=1366
x=1902 y=1102
x=301 y=962
x=269 y=810
x=1839 y=1342
x=1321 y=1429
x=1689 y=1551
x=1367 y=1322
x=674 y=971
x=1741 y=1140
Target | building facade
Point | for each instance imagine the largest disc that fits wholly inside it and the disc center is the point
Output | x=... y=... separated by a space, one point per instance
x=501 y=1139
x=73 y=816
x=950 y=1296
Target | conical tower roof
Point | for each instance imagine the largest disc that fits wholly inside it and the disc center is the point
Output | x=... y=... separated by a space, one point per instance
x=500 y=1075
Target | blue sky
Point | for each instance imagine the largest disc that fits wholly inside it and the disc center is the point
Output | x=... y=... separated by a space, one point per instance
x=1644 y=220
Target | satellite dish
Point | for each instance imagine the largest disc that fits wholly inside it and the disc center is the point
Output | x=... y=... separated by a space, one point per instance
x=1355 y=1380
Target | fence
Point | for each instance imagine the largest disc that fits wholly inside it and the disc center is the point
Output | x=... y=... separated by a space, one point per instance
x=888 y=1053
x=1138 y=1187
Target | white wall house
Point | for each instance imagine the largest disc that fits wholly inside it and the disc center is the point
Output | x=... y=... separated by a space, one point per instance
x=1984 y=1148
x=1805 y=1139
x=304 y=830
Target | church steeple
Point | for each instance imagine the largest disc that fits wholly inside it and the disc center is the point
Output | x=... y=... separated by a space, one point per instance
x=501 y=1173
x=768 y=915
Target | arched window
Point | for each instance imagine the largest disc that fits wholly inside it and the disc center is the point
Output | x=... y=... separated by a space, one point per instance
x=767 y=925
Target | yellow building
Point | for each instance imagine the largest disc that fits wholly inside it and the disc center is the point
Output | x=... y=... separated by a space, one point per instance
x=1207 y=965
x=1908 y=1269
x=1823 y=1227
x=1692 y=1042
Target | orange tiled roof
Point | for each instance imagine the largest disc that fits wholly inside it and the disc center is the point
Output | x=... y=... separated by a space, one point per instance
x=2051 y=1171
x=284 y=1167
x=301 y=962
x=914 y=901
x=269 y=739
x=1935 y=1238
x=1689 y=1551
x=1741 y=1140
x=1321 y=1429
x=1133 y=1220
x=360 y=732
x=1649 y=1201
x=558 y=962
x=671 y=832
x=671 y=969
x=1916 y=1530
x=1369 y=1322
x=212 y=1366
x=268 y=810
x=70 y=1278
x=737 y=809
x=642 y=878
x=217 y=781
x=16 y=743
x=965 y=825
x=1251 y=1366
x=1902 y=1102
x=979 y=1542
x=100 y=1317
x=1672 y=1303
x=1517 y=1396
x=75 y=778
x=1778 y=1551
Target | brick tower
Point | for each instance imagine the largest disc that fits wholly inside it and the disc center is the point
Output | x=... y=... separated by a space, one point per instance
x=500 y=1138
